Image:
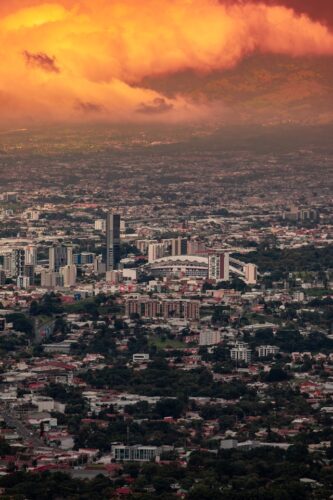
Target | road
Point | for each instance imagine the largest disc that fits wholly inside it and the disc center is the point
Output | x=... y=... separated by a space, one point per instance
x=22 y=430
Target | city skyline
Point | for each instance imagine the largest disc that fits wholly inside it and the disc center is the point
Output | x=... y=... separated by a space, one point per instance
x=166 y=249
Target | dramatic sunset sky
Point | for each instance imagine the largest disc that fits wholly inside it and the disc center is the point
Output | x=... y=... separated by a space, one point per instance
x=166 y=60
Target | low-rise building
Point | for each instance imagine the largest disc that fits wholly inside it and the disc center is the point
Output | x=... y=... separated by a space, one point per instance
x=267 y=350
x=137 y=453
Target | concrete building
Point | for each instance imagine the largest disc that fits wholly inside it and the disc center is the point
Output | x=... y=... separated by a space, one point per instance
x=267 y=350
x=130 y=274
x=250 y=273
x=123 y=453
x=83 y=258
x=99 y=265
x=218 y=267
x=7 y=263
x=241 y=352
x=23 y=282
x=140 y=357
x=195 y=247
x=31 y=255
x=29 y=272
x=112 y=241
x=156 y=251
x=2 y=277
x=168 y=308
x=17 y=262
x=50 y=279
x=60 y=256
x=302 y=214
x=68 y=274
x=179 y=246
x=32 y=215
x=100 y=225
x=143 y=245
x=209 y=337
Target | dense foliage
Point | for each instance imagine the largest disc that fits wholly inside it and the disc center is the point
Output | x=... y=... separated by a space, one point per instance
x=159 y=379
x=261 y=473
x=307 y=258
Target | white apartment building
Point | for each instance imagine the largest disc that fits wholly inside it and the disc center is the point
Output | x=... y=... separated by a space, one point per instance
x=100 y=225
x=31 y=255
x=209 y=337
x=50 y=279
x=23 y=282
x=68 y=274
x=156 y=251
x=267 y=350
x=219 y=267
x=140 y=357
x=136 y=453
x=241 y=352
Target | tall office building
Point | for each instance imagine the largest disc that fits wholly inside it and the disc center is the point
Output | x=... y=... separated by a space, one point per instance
x=218 y=267
x=17 y=262
x=60 y=256
x=7 y=263
x=29 y=272
x=156 y=251
x=112 y=241
x=31 y=255
x=50 y=279
x=99 y=265
x=179 y=246
x=68 y=274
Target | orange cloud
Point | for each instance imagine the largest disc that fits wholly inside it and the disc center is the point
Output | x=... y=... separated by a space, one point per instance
x=62 y=60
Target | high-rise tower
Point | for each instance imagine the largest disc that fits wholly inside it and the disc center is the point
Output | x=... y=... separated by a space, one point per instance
x=112 y=241
x=60 y=256
x=31 y=255
x=218 y=267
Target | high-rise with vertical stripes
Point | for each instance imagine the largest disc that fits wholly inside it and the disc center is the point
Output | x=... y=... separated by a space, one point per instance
x=112 y=241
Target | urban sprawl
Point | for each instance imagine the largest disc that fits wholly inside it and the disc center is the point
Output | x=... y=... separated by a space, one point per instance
x=166 y=322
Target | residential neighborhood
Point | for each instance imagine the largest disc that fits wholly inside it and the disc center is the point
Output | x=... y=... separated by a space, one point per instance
x=159 y=342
